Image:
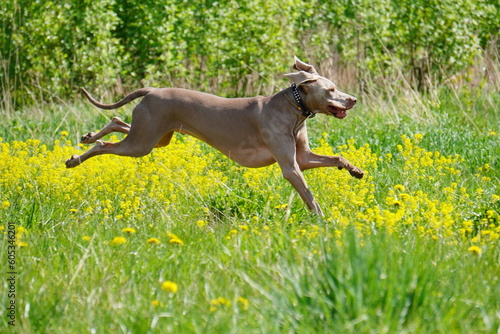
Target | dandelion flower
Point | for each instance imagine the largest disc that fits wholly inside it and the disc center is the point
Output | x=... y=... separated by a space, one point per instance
x=221 y=301
x=475 y=250
x=64 y=133
x=172 y=236
x=22 y=244
x=117 y=241
x=86 y=238
x=129 y=230
x=155 y=303
x=399 y=187
x=176 y=241
x=5 y=204
x=73 y=210
x=243 y=303
x=153 y=241
x=201 y=223
x=244 y=227
x=169 y=286
x=405 y=197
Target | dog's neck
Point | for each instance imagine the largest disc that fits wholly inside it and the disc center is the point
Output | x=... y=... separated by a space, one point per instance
x=299 y=103
x=302 y=107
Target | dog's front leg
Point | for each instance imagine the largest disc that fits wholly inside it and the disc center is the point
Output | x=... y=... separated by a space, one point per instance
x=296 y=178
x=284 y=152
x=308 y=160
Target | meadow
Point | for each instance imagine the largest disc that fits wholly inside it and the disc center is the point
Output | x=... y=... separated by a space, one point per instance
x=185 y=241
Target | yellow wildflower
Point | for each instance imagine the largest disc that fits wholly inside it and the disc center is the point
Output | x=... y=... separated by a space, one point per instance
x=129 y=230
x=418 y=137
x=221 y=301
x=475 y=250
x=64 y=133
x=243 y=303
x=86 y=238
x=399 y=187
x=5 y=204
x=155 y=303
x=405 y=197
x=172 y=236
x=153 y=241
x=22 y=244
x=201 y=223
x=176 y=241
x=117 y=241
x=169 y=286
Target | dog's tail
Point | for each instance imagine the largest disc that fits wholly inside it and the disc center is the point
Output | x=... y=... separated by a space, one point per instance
x=130 y=97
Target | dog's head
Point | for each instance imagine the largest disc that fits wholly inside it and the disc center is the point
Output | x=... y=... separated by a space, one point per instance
x=321 y=95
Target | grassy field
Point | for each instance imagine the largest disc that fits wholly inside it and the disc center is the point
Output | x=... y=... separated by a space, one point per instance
x=185 y=241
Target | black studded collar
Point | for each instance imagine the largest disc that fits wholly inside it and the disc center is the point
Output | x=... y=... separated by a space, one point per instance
x=302 y=107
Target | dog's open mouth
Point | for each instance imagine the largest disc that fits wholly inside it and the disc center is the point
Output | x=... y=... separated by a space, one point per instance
x=337 y=112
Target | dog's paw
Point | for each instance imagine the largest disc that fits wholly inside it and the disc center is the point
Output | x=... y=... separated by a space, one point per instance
x=73 y=161
x=357 y=173
x=87 y=139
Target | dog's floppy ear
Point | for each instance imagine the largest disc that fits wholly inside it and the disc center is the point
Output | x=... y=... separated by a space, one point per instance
x=301 y=66
x=301 y=77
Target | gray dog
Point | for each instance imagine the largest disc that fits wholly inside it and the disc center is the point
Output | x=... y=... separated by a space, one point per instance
x=254 y=132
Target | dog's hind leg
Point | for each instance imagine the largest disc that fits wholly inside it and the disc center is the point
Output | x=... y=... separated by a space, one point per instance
x=131 y=146
x=116 y=125
x=145 y=133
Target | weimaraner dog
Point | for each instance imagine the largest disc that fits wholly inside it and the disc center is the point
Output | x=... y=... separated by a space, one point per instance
x=254 y=132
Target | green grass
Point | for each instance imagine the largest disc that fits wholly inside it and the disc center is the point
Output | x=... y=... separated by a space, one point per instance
x=299 y=273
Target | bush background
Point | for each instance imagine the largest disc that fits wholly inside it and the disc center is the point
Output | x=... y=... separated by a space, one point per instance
x=234 y=48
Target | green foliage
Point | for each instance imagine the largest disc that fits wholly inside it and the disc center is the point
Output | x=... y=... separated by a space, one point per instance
x=49 y=48
x=55 y=46
x=425 y=39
